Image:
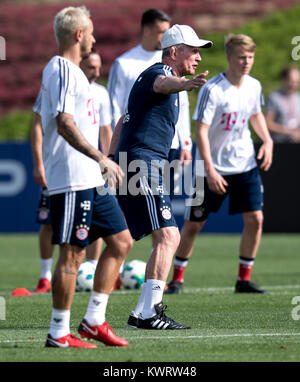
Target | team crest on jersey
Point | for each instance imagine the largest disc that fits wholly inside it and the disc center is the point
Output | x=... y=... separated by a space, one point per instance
x=166 y=212
x=43 y=214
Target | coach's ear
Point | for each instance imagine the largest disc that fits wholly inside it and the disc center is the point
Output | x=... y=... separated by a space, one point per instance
x=173 y=52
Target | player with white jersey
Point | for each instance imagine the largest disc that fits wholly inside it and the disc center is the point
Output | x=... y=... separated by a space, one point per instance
x=131 y=64
x=66 y=90
x=91 y=66
x=227 y=110
x=102 y=104
x=225 y=105
x=80 y=211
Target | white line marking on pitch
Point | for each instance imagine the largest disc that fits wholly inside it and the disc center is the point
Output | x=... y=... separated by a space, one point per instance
x=222 y=289
x=183 y=337
x=185 y=290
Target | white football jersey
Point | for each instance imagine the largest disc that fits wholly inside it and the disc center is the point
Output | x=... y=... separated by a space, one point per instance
x=227 y=109
x=65 y=89
x=122 y=76
x=102 y=103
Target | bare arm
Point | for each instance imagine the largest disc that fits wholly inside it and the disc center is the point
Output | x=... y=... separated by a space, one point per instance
x=105 y=135
x=265 y=152
x=281 y=129
x=116 y=136
x=216 y=182
x=172 y=84
x=36 y=140
x=70 y=132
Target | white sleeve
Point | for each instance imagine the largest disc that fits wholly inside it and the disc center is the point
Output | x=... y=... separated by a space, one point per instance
x=117 y=92
x=62 y=91
x=259 y=100
x=206 y=106
x=183 y=126
x=38 y=103
x=104 y=109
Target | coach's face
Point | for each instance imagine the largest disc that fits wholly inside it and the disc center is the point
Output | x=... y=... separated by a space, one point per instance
x=87 y=40
x=241 y=60
x=187 y=59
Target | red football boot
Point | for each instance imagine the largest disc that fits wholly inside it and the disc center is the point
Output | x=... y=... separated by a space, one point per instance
x=103 y=333
x=68 y=341
x=44 y=285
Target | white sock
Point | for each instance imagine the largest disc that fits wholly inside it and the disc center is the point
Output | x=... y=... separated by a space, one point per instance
x=46 y=265
x=95 y=314
x=60 y=323
x=140 y=305
x=94 y=262
x=153 y=295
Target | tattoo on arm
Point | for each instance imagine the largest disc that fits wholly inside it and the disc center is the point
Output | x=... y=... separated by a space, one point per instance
x=70 y=132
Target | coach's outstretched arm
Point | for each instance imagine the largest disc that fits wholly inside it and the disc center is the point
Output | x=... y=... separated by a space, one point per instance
x=172 y=84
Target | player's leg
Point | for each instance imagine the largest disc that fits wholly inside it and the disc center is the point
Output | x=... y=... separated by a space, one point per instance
x=46 y=248
x=195 y=218
x=63 y=288
x=65 y=273
x=188 y=235
x=46 y=257
x=93 y=251
x=246 y=197
x=250 y=240
x=152 y=315
x=67 y=214
x=108 y=222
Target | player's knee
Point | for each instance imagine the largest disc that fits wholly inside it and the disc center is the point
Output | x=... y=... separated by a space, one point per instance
x=255 y=220
x=122 y=244
x=193 y=228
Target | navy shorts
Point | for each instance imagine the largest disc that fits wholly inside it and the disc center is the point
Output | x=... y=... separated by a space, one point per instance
x=174 y=154
x=81 y=217
x=43 y=212
x=245 y=192
x=148 y=210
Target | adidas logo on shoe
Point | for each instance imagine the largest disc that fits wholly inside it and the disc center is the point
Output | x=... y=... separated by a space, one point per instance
x=160 y=321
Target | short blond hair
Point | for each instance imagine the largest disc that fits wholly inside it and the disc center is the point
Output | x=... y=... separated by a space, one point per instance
x=233 y=40
x=68 y=21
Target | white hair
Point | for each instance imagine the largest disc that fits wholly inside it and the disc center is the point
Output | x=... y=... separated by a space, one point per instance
x=68 y=20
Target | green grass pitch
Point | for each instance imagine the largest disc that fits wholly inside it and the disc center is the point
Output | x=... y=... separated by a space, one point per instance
x=226 y=327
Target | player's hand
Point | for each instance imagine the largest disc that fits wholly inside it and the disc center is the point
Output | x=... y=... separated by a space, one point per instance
x=265 y=153
x=111 y=172
x=216 y=183
x=185 y=157
x=39 y=176
x=195 y=82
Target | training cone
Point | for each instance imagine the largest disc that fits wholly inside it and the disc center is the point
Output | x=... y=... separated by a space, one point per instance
x=20 y=292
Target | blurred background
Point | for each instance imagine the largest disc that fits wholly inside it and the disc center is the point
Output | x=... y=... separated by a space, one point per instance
x=27 y=29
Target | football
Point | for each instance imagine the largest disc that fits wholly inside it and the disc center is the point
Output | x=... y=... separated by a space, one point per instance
x=85 y=277
x=133 y=274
